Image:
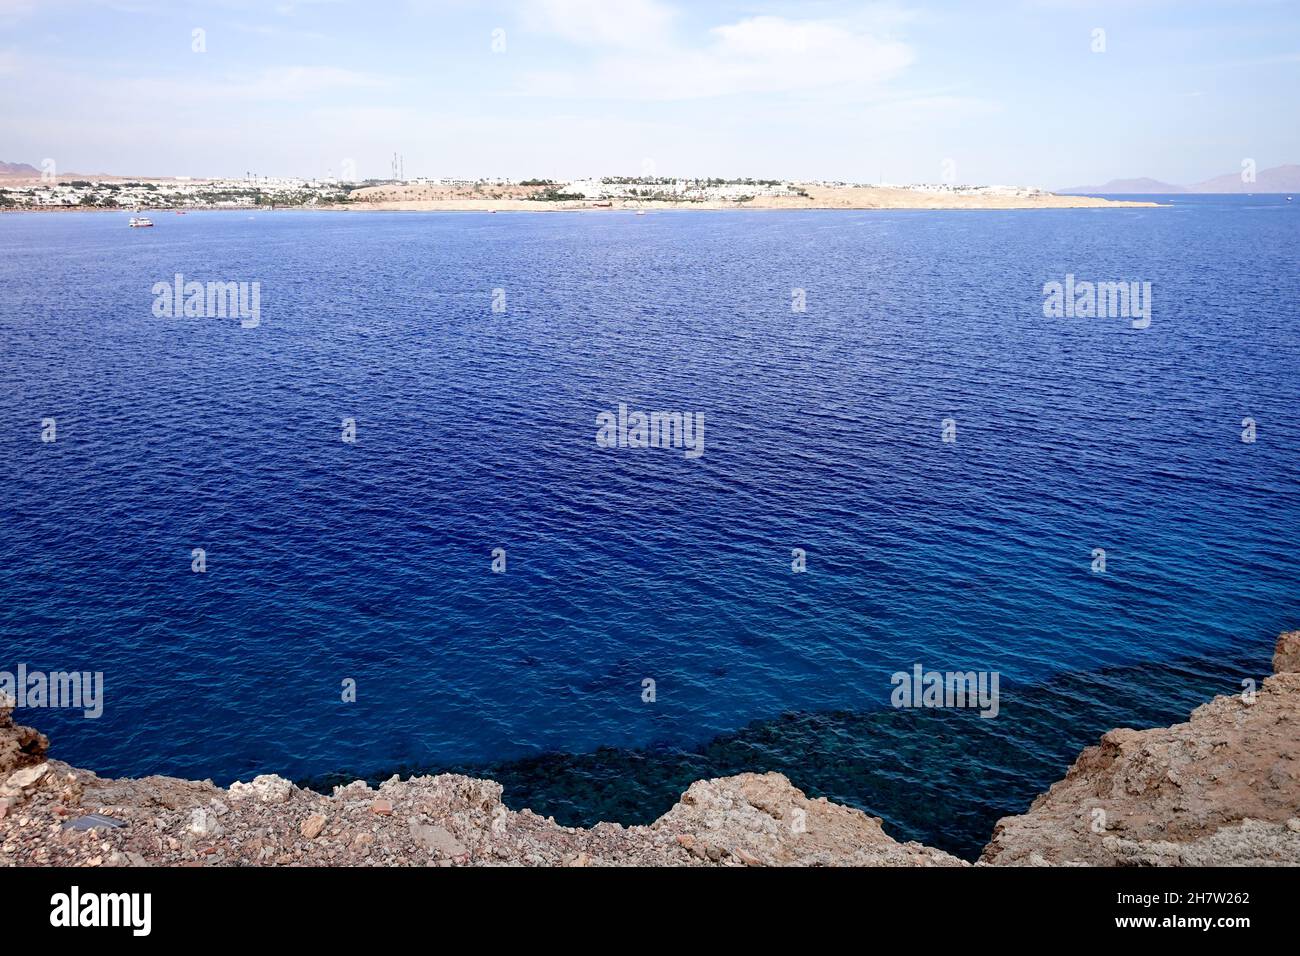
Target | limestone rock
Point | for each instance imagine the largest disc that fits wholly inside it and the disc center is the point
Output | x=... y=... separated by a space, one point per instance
x=268 y=788
x=20 y=780
x=1218 y=789
x=203 y=822
x=437 y=840
x=1286 y=656
x=764 y=820
x=19 y=746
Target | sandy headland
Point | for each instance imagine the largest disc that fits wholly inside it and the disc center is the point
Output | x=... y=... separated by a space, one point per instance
x=426 y=198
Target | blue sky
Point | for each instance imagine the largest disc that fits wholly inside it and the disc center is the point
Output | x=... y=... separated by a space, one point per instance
x=1007 y=92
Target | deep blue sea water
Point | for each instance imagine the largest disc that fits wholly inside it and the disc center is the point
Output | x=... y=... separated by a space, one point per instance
x=476 y=430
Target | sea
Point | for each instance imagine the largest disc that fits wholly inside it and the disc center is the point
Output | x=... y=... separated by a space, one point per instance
x=375 y=527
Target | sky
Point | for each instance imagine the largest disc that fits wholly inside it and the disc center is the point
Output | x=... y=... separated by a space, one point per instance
x=1047 y=93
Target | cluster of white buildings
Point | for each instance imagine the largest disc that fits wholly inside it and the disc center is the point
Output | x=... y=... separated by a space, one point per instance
x=292 y=191
x=52 y=195
x=452 y=181
x=1020 y=192
x=677 y=190
x=173 y=193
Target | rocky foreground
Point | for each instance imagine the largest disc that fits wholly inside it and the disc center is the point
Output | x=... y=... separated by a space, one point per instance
x=1223 y=788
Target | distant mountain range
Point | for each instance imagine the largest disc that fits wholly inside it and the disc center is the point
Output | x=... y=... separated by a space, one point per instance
x=18 y=171
x=1279 y=179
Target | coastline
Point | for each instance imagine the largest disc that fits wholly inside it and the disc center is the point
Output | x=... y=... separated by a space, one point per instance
x=1222 y=788
x=848 y=198
x=816 y=198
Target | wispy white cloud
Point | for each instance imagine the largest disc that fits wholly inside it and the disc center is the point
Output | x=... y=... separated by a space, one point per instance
x=617 y=23
x=763 y=54
x=271 y=84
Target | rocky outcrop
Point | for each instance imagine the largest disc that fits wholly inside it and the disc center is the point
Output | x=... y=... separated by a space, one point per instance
x=1223 y=788
x=761 y=819
x=1286 y=657
x=19 y=746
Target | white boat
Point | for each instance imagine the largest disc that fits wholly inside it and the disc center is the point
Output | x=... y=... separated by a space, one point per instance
x=140 y=222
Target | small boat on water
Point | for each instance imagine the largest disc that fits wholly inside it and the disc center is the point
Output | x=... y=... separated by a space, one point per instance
x=140 y=222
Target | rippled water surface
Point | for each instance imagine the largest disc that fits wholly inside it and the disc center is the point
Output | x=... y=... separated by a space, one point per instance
x=475 y=430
